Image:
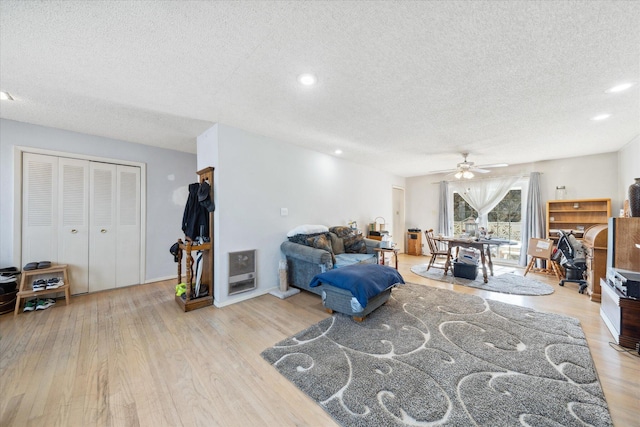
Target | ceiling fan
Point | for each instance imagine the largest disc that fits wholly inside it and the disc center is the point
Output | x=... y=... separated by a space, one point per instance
x=466 y=169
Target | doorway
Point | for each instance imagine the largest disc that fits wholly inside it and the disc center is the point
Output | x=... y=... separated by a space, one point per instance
x=397 y=202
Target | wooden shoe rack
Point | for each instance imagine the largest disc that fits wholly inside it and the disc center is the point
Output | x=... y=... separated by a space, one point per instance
x=25 y=290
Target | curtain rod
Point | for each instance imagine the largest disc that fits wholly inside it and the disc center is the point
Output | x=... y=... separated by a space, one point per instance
x=482 y=179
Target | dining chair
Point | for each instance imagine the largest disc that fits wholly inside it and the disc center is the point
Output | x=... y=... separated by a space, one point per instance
x=435 y=250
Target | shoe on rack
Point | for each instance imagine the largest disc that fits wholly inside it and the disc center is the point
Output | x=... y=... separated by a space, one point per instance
x=39 y=285
x=30 y=266
x=29 y=305
x=7 y=277
x=43 y=304
x=54 y=283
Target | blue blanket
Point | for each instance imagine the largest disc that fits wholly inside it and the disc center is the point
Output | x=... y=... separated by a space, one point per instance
x=364 y=280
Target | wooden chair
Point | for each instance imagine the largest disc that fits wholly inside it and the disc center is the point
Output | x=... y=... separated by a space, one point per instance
x=435 y=251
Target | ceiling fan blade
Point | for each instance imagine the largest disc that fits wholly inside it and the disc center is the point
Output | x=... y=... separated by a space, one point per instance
x=479 y=170
x=442 y=171
x=496 y=165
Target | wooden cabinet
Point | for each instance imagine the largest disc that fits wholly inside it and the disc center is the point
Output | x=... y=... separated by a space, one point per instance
x=414 y=243
x=624 y=238
x=595 y=244
x=576 y=215
x=206 y=250
x=621 y=315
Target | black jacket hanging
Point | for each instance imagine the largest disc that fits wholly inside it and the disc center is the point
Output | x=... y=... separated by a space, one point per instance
x=194 y=215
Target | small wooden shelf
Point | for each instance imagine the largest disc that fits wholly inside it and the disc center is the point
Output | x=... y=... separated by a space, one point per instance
x=24 y=292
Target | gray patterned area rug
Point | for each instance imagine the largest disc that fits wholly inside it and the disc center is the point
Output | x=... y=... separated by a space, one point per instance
x=436 y=357
x=505 y=283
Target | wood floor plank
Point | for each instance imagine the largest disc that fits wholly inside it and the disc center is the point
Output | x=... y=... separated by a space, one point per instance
x=131 y=357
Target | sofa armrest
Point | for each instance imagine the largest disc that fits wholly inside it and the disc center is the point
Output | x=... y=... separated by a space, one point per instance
x=305 y=253
x=371 y=243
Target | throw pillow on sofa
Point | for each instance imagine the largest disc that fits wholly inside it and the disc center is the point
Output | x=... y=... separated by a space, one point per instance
x=302 y=239
x=337 y=244
x=322 y=241
x=355 y=245
x=341 y=231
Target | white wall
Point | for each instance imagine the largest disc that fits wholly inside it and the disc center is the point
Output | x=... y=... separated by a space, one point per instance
x=585 y=177
x=628 y=167
x=168 y=176
x=256 y=176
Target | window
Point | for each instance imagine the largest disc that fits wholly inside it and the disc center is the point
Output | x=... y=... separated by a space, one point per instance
x=504 y=220
x=461 y=211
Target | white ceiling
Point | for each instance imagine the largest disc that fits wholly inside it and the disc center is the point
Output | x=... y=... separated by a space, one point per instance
x=405 y=86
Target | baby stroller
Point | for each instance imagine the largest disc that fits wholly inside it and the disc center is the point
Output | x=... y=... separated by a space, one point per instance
x=570 y=254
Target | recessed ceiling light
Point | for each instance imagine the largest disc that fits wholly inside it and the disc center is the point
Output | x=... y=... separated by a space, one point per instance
x=619 y=88
x=601 y=117
x=307 y=79
x=6 y=96
x=338 y=151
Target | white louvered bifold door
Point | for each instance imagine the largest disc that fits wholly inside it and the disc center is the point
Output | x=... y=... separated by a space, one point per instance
x=39 y=214
x=73 y=214
x=128 y=226
x=102 y=226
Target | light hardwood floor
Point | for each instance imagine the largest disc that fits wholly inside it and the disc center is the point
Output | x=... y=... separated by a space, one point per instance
x=130 y=357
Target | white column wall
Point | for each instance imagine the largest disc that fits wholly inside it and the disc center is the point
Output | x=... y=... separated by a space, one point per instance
x=256 y=176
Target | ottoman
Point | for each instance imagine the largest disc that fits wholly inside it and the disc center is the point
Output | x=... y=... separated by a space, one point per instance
x=356 y=290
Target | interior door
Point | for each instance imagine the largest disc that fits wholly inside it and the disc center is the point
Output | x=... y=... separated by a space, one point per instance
x=73 y=229
x=102 y=226
x=128 y=226
x=39 y=203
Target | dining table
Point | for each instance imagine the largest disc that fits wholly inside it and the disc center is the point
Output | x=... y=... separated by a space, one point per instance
x=482 y=244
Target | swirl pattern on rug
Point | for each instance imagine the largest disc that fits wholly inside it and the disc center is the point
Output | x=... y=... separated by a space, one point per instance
x=436 y=357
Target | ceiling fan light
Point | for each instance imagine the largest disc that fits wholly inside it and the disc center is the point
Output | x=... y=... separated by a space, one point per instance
x=467 y=174
x=458 y=175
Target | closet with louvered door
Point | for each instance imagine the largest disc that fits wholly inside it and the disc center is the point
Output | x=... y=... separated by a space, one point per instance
x=73 y=214
x=114 y=205
x=85 y=214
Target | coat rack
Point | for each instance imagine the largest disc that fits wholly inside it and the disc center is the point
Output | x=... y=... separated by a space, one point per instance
x=188 y=247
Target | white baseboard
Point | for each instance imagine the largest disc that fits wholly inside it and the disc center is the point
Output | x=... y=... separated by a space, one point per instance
x=161 y=279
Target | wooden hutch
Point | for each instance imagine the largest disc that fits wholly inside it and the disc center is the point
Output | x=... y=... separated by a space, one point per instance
x=576 y=215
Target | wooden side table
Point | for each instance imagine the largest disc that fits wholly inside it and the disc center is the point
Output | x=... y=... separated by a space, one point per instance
x=25 y=290
x=382 y=251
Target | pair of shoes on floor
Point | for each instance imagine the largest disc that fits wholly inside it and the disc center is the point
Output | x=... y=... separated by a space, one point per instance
x=39 y=304
x=37 y=265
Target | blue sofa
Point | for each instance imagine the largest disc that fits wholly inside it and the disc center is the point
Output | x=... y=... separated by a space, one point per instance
x=304 y=262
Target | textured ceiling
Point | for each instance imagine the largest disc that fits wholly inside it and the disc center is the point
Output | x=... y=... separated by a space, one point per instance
x=405 y=86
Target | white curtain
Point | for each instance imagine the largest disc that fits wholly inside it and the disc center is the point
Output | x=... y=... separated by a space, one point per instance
x=533 y=223
x=444 y=227
x=484 y=194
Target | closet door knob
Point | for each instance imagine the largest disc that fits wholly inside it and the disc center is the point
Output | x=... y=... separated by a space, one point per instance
x=74 y=231
x=103 y=230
